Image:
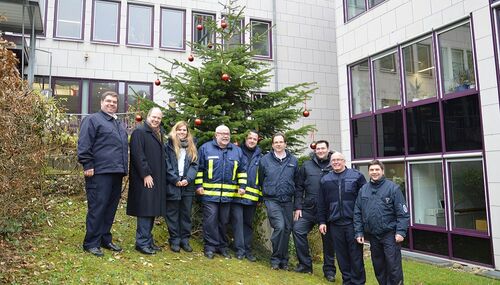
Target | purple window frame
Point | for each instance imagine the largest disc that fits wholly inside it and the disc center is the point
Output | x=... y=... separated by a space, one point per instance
x=193 y=30
x=150 y=45
x=80 y=84
x=82 y=29
x=117 y=27
x=367 y=7
x=127 y=83
x=183 y=29
x=269 y=38
x=495 y=26
x=91 y=85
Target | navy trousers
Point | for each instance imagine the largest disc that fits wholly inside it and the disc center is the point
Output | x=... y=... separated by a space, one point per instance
x=215 y=221
x=349 y=253
x=242 y=225
x=178 y=219
x=143 y=235
x=386 y=259
x=301 y=228
x=103 y=195
x=280 y=215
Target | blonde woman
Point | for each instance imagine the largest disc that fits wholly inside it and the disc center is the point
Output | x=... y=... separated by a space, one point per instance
x=182 y=166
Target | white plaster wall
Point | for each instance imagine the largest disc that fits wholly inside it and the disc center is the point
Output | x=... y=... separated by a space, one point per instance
x=397 y=21
x=304 y=51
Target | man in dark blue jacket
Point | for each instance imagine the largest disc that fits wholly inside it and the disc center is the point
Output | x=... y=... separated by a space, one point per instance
x=305 y=216
x=278 y=170
x=381 y=214
x=103 y=152
x=221 y=174
x=337 y=195
x=243 y=206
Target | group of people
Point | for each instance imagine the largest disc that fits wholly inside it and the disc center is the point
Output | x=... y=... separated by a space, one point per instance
x=167 y=172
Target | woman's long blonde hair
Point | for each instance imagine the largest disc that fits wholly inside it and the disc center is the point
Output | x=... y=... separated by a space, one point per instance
x=191 y=148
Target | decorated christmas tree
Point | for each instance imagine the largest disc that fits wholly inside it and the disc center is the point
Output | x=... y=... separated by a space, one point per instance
x=221 y=83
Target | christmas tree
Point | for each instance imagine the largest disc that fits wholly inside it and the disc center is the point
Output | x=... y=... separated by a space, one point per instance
x=218 y=83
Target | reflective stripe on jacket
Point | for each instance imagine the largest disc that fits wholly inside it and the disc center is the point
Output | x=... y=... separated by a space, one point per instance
x=253 y=192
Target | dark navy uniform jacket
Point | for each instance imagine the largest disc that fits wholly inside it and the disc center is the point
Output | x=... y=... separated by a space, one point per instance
x=380 y=208
x=278 y=177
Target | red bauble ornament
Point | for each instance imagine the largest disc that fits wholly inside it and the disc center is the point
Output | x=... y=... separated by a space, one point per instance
x=305 y=113
x=199 y=27
x=190 y=57
x=197 y=122
x=223 y=24
x=157 y=82
x=225 y=77
x=313 y=145
x=138 y=118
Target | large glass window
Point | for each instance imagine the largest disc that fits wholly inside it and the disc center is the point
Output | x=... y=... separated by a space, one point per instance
x=172 y=28
x=135 y=91
x=467 y=188
x=390 y=133
x=387 y=81
x=419 y=71
x=462 y=124
x=423 y=129
x=140 y=25
x=360 y=88
x=372 y=3
x=428 y=197
x=395 y=171
x=106 y=21
x=69 y=93
x=433 y=242
x=354 y=8
x=97 y=88
x=237 y=37
x=456 y=59
x=261 y=38
x=362 y=135
x=202 y=36
x=69 y=19
x=472 y=248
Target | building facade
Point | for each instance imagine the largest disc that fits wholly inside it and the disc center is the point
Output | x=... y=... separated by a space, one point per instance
x=418 y=81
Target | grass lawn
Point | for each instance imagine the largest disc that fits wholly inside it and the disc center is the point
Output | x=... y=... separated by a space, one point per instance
x=55 y=257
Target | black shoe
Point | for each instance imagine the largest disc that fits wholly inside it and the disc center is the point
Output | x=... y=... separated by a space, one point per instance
x=330 y=278
x=225 y=253
x=155 y=247
x=209 y=254
x=145 y=250
x=275 y=266
x=186 y=247
x=251 y=257
x=303 y=269
x=175 y=247
x=240 y=256
x=111 y=246
x=284 y=267
x=95 y=251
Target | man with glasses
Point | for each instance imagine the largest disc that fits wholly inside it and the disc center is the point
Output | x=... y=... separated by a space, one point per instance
x=221 y=174
x=337 y=196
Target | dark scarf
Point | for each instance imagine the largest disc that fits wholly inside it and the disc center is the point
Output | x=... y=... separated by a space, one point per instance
x=184 y=143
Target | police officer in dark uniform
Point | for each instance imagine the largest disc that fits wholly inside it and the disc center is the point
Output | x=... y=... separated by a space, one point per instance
x=305 y=216
x=381 y=215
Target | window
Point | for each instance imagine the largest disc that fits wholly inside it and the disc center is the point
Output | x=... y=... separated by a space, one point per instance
x=427 y=190
x=97 y=88
x=467 y=190
x=423 y=129
x=202 y=36
x=43 y=12
x=360 y=88
x=456 y=59
x=390 y=133
x=69 y=19
x=419 y=66
x=106 y=25
x=172 y=33
x=362 y=136
x=140 y=25
x=261 y=38
x=68 y=91
x=472 y=248
x=134 y=91
x=462 y=124
x=395 y=171
x=387 y=81
x=237 y=36
x=354 y=8
x=433 y=242
x=372 y=3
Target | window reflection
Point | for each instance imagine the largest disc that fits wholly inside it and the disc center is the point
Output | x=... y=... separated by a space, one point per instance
x=428 y=198
x=355 y=7
x=360 y=84
x=140 y=25
x=261 y=38
x=362 y=131
x=390 y=133
x=419 y=71
x=172 y=28
x=68 y=92
x=387 y=87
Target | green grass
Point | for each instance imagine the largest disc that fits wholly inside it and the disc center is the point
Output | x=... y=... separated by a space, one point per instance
x=56 y=257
